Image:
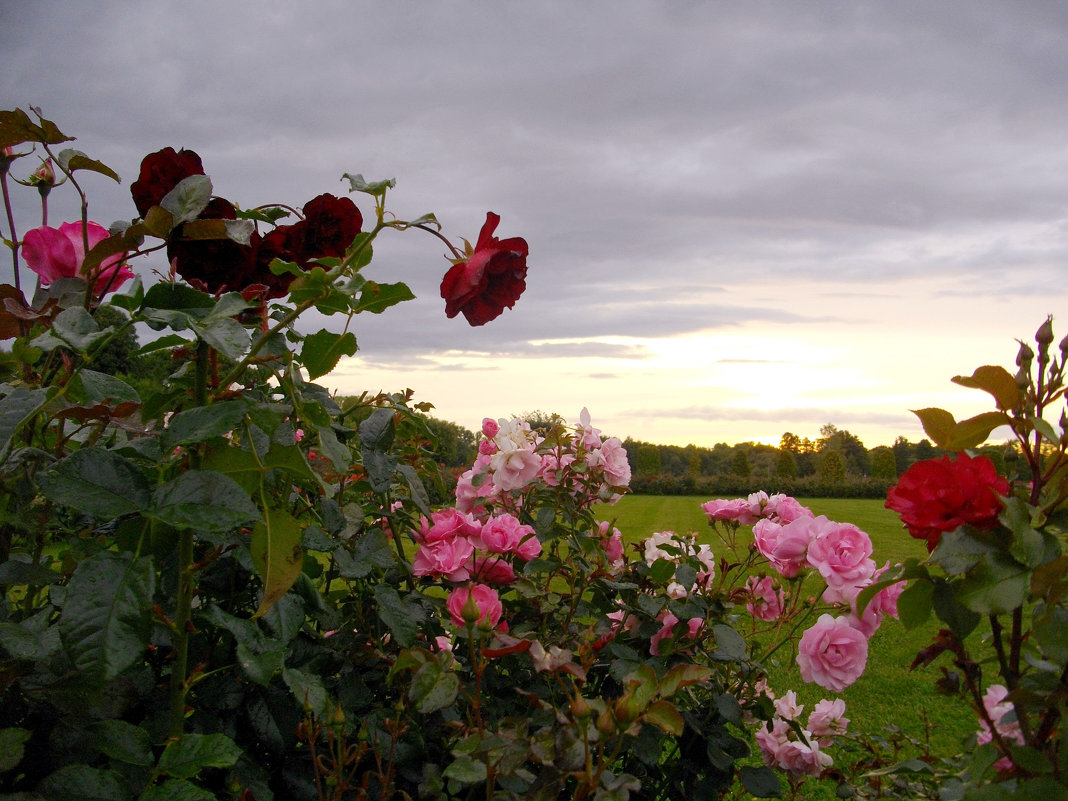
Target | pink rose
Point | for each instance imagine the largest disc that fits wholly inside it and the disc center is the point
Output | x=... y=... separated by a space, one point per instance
x=485 y=600
x=613 y=457
x=785 y=509
x=827 y=720
x=55 y=253
x=841 y=553
x=884 y=602
x=772 y=740
x=799 y=759
x=787 y=708
x=489 y=427
x=448 y=524
x=447 y=558
x=725 y=510
x=766 y=601
x=786 y=547
x=832 y=653
x=612 y=545
x=492 y=570
x=502 y=534
x=529 y=547
x=590 y=437
x=514 y=469
x=668 y=621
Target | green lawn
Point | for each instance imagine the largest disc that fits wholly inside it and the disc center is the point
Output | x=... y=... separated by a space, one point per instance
x=888 y=693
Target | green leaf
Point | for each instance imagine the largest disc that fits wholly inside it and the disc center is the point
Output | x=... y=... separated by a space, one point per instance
x=1045 y=429
x=683 y=676
x=309 y=691
x=433 y=688
x=377 y=430
x=1050 y=630
x=90 y=388
x=276 y=554
x=177 y=297
x=191 y=753
x=976 y=430
x=123 y=742
x=400 y=616
x=465 y=770
x=202 y=423
x=322 y=351
x=961 y=620
x=11 y=747
x=915 y=603
x=74 y=328
x=996 y=585
x=106 y=620
x=998 y=381
x=72 y=159
x=938 y=424
x=18 y=406
x=97 y=482
x=376 y=188
x=333 y=449
x=761 y=782
x=227 y=336
x=16 y=127
x=730 y=645
x=418 y=492
x=188 y=198
x=958 y=551
x=202 y=500
x=376 y=298
x=83 y=783
x=176 y=790
x=665 y=717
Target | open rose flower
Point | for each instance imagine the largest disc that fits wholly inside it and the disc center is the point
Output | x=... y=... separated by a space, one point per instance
x=832 y=653
x=940 y=495
x=55 y=253
x=842 y=555
x=160 y=173
x=490 y=280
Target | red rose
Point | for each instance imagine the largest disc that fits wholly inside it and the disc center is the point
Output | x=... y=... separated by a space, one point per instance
x=492 y=278
x=940 y=495
x=160 y=173
x=213 y=265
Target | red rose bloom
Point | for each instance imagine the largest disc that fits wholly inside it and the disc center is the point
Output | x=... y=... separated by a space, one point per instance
x=492 y=278
x=160 y=173
x=940 y=495
x=212 y=265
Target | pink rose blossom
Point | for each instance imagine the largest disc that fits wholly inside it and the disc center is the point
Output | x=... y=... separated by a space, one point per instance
x=725 y=510
x=785 y=509
x=884 y=602
x=492 y=570
x=489 y=427
x=611 y=544
x=767 y=601
x=448 y=524
x=514 y=469
x=485 y=599
x=529 y=547
x=590 y=437
x=552 y=464
x=55 y=253
x=668 y=621
x=475 y=485
x=771 y=741
x=832 y=653
x=787 y=708
x=998 y=708
x=799 y=759
x=487 y=447
x=786 y=547
x=502 y=534
x=827 y=720
x=444 y=558
x=841 y=553
x=613 y=457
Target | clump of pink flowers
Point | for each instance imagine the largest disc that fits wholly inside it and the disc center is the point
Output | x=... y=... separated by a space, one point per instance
x=800 y=750
x=793 y=542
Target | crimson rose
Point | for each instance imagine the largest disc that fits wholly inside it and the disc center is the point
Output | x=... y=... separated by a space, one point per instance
x=492 y=278
x=940 y=495
x=160 y=173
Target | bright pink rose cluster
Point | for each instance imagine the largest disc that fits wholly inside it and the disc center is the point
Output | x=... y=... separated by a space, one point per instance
x=55 y=253
x=513 y=459
x=757 y=506
x=804 y=755
x=458 y=547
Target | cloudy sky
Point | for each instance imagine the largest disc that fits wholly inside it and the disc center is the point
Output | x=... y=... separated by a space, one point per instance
x=744 y=218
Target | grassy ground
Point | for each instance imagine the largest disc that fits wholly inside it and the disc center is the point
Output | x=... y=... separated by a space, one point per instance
x=888 y=693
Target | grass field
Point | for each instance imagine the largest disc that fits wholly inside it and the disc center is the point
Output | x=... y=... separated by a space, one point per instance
x=888 y=693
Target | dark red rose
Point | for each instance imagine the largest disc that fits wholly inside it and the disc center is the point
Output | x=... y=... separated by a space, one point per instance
x=160 y=173
x=212 y=265
x=492 y=278
x=940 y=495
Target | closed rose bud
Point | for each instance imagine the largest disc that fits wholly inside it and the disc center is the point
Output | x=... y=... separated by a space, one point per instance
x=1024 y=356
x=580 y=708
x=1044 y=334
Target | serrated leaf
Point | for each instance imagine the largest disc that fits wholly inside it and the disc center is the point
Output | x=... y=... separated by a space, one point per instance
x=938 y=424
x=16 y=127
x=123 y=742
x=665 y=717
x=74 y=327
x=83 y=783
x=322 y=351
x=106 y=620
x=276 y=554
x=188 y=198
x=18 y=406
x=433 y=688
x=683 y=676
x=915 y=603
x=996 y=380
x=92 y=387
x=376 y=298
x=401 y=617
x=204 y=501
x=976 y=430
x=191 y=753
x=730 y=645
x=97 y=482
x=176 y=790
x=72 y=159
x=202 y=423
x=997 y=584
x=761 y=782
x=227 y=336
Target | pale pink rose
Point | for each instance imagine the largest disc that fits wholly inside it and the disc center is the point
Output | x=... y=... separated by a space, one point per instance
x=827 y=720
x=55 y=253
x=787 y=708
x=591 y=437
x=799 y=759
x=786 y=547
x=654 y=550
x=707 y=558
x=552 y=465
x=884 y=602
x=492 y=570
x=785 y=509
x=997 y=707
x=514 y=469
x=548 y=661
x=448 y=524
x=529 y=547
x=442 y=643
x=502 y=534
x=772 y=740
x=611 y=544
x=474 y=486
x=616 y=465
x=832 y=653
x=842 y=555
x=754 y=508
x=444 y=558
x=485 y=598
x=623 y=621
x=489 y=427
x=718 y=509
x=668 y=621
x=767 y=601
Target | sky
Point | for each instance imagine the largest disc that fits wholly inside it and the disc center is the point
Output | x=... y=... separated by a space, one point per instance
x=744 y=218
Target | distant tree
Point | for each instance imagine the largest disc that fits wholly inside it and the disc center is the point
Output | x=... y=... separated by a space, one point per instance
x=647 y=462
x=116 y=356
x=786 y=464
x=740 y=463
x=790 y=442
x=693 y=461
x=832 y=466
x=854 y=454
x=883 y=463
